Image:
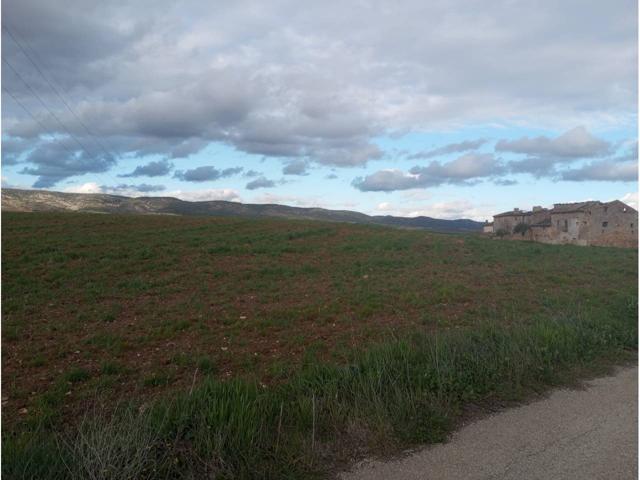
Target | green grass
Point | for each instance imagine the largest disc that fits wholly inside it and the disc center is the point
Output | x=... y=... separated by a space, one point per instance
x=276 y=349
x=404 y=392
x=77 y=375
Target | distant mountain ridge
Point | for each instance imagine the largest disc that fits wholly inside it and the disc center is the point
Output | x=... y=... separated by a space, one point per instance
x=45 y=201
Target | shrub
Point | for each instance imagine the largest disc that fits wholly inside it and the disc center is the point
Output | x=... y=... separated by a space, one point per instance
x=521 y=228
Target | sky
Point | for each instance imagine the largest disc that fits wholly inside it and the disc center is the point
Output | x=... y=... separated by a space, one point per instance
x=450 y=109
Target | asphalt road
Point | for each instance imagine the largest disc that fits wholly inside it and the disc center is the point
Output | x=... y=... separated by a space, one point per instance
x=572 y=434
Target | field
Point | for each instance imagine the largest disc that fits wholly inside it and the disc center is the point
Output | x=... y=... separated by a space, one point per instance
x=247 y=348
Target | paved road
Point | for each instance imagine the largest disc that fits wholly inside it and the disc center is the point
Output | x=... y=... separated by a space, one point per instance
x=572 y=434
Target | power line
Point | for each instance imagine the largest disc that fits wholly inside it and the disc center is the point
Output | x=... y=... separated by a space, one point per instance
x=15 y=99
x=55 y=90
x=44 y=127
x=35 y=94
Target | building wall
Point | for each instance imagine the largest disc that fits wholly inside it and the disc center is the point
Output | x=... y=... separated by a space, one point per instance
x=542 y=234
x=613 y=224
x=507 y=223
x=571 y=227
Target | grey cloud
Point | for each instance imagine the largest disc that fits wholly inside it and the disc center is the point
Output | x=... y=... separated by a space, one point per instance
x=298 y=167
x=61 y=45
x=142 y=187
x=205 y=173
x=387 y=181
x=53 y=163
x=188 y=147
x=227 y=172
x=630 y=153
x=331 y=176
x=536 y=166
x=251 y=173
x=609 y=170
x=260 y=182
x=450 y=148
x=12 y=148
x=291 y=82
x=505 y=182
x=151 y=169
x=465 y=170
x=545 y=155
x=573 y=144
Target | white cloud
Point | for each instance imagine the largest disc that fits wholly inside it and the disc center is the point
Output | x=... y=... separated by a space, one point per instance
x=465 y=169
x=631 y=199
x=226 y=194
x=89 y=187
x=298 y=201
x=448 y=210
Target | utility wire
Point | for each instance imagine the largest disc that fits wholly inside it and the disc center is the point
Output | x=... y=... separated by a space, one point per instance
x=55 y=90
x=35 y=94
x=15 y=99
x=71 y=151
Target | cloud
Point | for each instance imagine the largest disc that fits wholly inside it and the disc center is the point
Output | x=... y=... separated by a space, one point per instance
x=331 y=176
x=287 y=81
x=450 y=148
x=544 y=154
x=126 y=190
x=206 y=174
x=89 y=187
x=573 y=144
x=608 y=170
x=12 y=148
x=260 y=182
x=631 y=199
x=387 y=181
x=451 y=210
x=225 y=194
x=52 y=162
x=299 y=201
x=228 y=172
x=251 y=174
x=507 y=182
x=151 y=169
x=536 y=166
x=463 y=171
x=297 y=167
x=141 y=187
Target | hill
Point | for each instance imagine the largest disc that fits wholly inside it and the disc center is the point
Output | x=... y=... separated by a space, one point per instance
x=15 y=200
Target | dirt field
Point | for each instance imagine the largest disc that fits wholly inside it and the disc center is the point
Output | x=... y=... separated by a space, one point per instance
x=99 y=306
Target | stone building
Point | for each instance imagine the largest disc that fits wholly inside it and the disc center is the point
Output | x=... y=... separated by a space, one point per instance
x=584 y=223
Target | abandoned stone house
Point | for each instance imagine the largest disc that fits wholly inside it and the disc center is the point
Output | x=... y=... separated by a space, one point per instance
x=584 y=223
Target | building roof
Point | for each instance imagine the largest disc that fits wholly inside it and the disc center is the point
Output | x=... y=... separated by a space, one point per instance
x=572 y=207
x=559 y=208
x=513 y=213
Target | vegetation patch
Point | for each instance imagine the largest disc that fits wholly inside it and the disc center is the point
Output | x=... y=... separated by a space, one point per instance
x=400 y=393
x=276 y=348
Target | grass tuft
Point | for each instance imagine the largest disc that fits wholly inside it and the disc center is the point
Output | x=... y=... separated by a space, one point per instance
x=407 y=391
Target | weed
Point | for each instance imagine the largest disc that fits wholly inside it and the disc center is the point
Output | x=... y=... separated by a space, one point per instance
x=156 y=380
x=111 y=368
x=77 y=375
